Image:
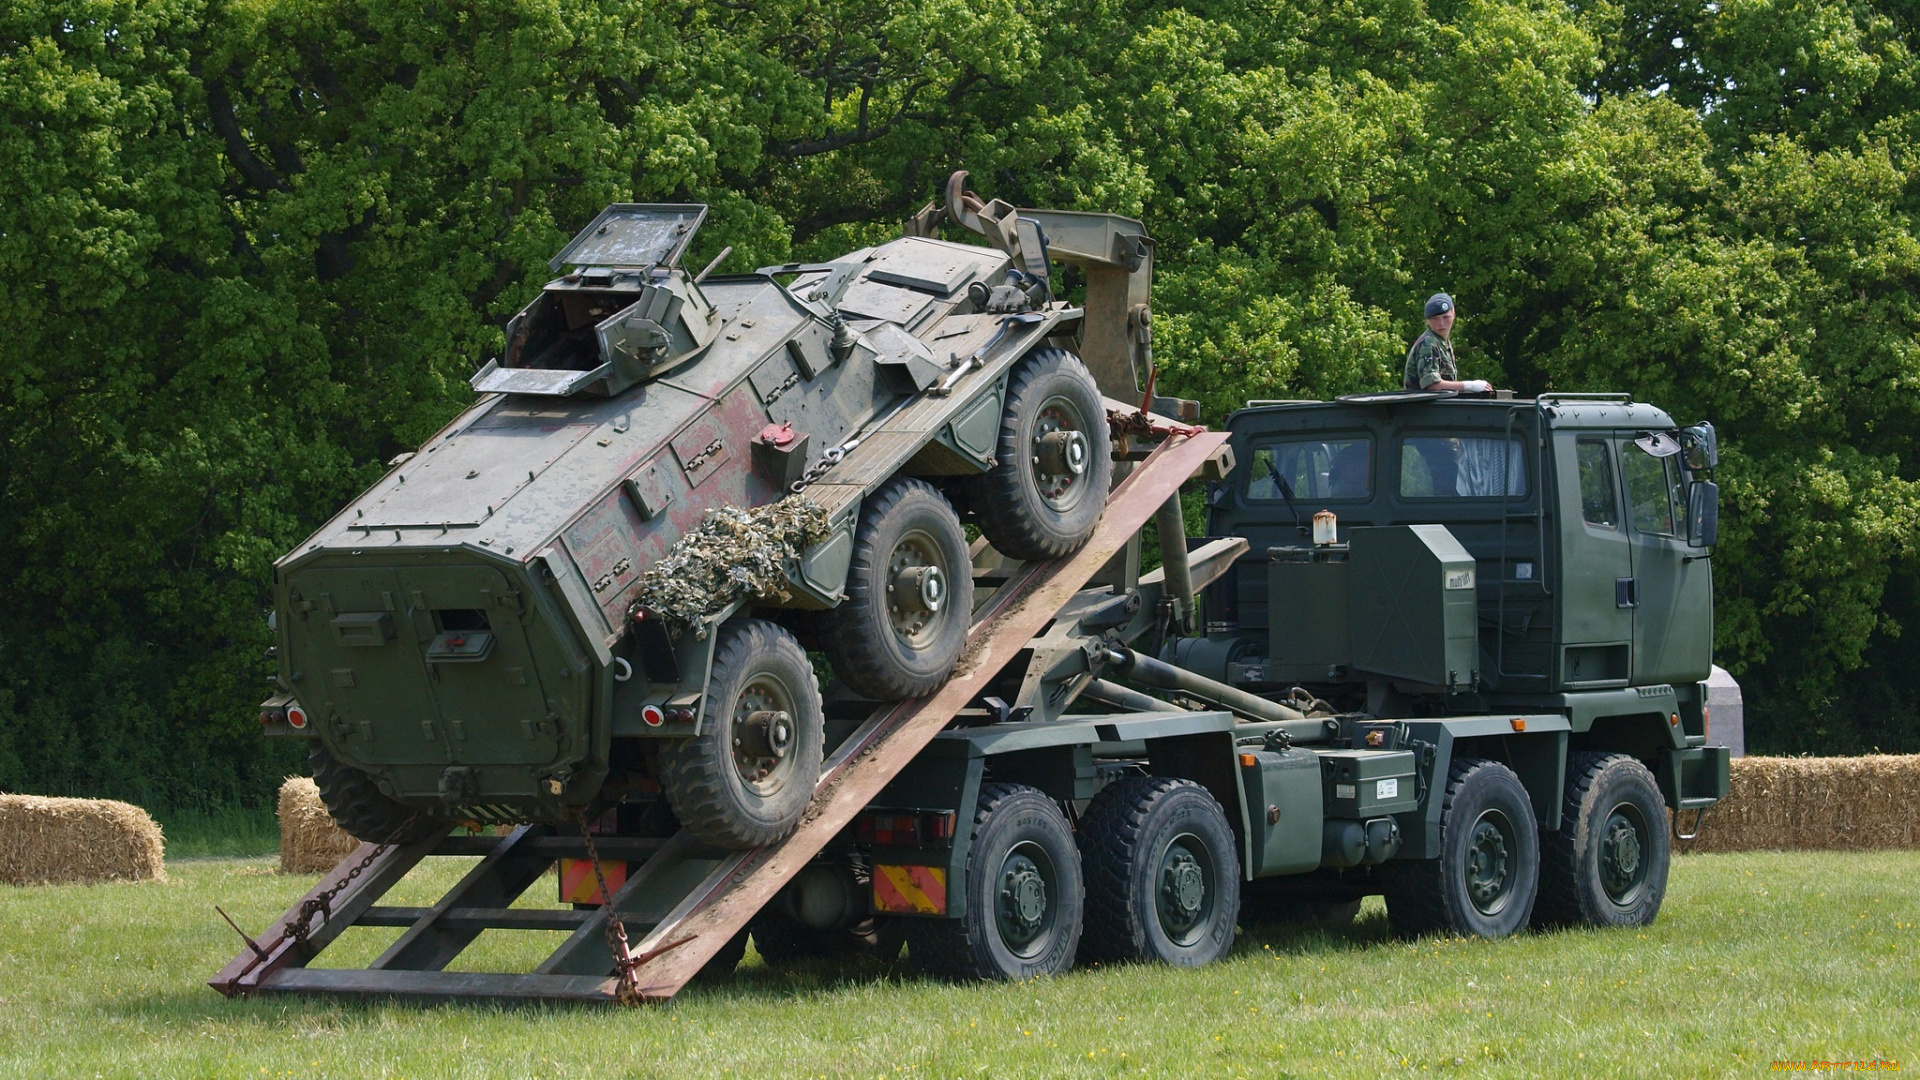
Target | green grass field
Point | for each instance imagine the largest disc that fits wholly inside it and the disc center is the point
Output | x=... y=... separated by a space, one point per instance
x=1756 y=958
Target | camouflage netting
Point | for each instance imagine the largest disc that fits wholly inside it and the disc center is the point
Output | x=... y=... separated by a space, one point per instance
x=734 y=554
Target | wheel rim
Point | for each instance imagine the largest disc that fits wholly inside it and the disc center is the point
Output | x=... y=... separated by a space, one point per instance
x=1025 y=908
x=1491 y=850
x=1623 y=854
x=917 y=589
x=1061 y=455
x=764 y=733
x=1184 y=890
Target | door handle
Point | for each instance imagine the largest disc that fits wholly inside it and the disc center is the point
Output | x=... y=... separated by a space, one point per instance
x=1626 y=592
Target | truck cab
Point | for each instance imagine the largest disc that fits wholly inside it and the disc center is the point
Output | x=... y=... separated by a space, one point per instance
x=1586 y=521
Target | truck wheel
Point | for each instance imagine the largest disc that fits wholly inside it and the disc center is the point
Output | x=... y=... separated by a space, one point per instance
x=1606 y=865
x=909 y=597
x=357 y=805
x=1023 y=894
x=1163 y=882
x=744 y=781
x=1484 y=881
x=1043 y=497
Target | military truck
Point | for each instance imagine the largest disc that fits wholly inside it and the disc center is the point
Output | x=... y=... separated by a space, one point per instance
x=1449 y=650
x=1444 y=649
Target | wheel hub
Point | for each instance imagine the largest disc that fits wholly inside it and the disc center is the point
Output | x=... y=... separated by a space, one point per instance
x=919 y=589
x=1622 y=857
x=763 y=735
x=1183 y=890
x=1488 y=866
x=916 y=589
x=1061 y=453
x=1023 y=901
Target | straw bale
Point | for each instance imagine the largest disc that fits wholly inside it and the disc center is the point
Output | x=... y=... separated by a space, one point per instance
x=310 y=843
x=1841 y=804
x=77 y=841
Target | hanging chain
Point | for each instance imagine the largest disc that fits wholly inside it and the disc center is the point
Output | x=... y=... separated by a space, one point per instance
x=322 y=905
x=627 y=964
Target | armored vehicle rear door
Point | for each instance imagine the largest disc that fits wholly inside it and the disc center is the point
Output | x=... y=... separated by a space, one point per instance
x=1597 y=605
x=426 y=665
x=1672 y=595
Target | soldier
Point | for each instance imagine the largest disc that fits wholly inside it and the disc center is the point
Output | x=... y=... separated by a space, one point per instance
x=1430 y=363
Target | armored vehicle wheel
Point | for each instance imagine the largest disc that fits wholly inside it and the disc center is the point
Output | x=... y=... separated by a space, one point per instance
x=1055 y=460
x=357 y=804
x=1484 y=881
x=1023 y=894
x=1606 y=865
x=1163 y=880
x=744 y=781
x=909 y=597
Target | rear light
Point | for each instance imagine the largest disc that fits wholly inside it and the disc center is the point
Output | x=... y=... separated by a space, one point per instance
x=889 y=828
x=272 y=714
x=296 y=717
x=652 y=715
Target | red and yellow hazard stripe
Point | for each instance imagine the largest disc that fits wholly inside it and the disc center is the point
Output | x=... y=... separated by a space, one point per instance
x=910 y=890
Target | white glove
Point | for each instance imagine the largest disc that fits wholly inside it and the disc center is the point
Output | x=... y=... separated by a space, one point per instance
x=1477 y=386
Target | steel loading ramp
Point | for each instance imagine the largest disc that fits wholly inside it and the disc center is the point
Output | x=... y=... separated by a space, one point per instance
x=685 y=902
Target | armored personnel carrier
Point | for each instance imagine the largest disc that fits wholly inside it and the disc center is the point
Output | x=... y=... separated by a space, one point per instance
x=590 y=582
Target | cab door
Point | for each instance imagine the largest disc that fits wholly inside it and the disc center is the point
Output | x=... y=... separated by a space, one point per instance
x=1597 y=616
x=1671 y=589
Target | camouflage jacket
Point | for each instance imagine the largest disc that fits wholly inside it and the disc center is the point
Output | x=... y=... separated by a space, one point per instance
x=1430 y=359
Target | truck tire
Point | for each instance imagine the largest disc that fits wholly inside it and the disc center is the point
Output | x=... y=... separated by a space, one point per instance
x=909 y=596
x=1606 y=865
x=1043 y=496
x=357 y=805
x=1023 y=894
x=1163 y=880
x=1484 y=882
x=744 y=781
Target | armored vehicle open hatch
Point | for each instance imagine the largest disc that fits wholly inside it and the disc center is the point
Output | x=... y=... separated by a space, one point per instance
x=541 y=610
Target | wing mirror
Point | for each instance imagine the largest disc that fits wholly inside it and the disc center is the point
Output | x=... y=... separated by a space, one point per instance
x=1703 y=513
x=1700 y=447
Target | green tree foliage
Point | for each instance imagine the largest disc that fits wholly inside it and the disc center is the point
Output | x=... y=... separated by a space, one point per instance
x=250 y=249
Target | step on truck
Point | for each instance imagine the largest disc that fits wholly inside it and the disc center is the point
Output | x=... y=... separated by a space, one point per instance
x=1443 y=649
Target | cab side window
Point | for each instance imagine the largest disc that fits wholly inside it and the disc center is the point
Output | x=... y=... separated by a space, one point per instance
x=1313 y=469
x=1599 y=505
x=1650 y=486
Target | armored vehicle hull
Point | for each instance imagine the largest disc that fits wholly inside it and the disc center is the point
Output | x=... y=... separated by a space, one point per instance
x=476 y=637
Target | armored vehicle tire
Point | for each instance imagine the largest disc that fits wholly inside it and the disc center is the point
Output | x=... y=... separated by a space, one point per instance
x=1023 y=898
x=1054 y=461
x=1606 y=865
x=1484 y=881
x=909 y=597
x=1163 y=879
x=357 y=804
x=744 y=781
